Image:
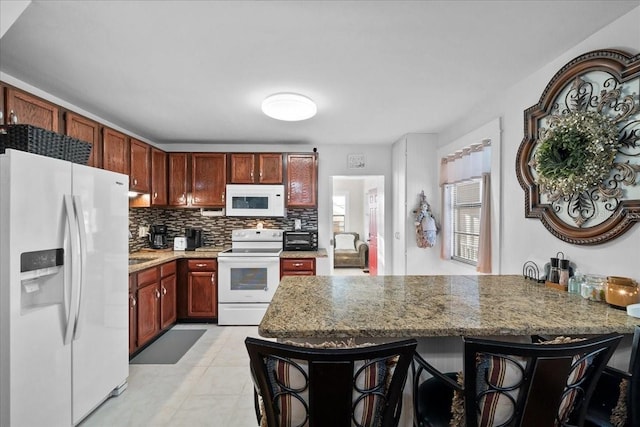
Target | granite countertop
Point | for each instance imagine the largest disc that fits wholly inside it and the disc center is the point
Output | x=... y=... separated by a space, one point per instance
x=157 y=257
x=320 y=253
x=429 y=306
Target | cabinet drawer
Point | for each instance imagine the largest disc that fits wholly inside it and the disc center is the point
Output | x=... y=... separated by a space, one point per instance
x=147 y=276
x=168 y=269
x=298 y=273
x=202 y=264
x=298 y=264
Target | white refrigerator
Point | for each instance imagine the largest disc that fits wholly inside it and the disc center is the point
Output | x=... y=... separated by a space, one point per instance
x=63 y=289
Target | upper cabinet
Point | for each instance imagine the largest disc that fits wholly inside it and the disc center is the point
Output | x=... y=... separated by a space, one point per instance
x=208 y=179
x=260 y=168
x=86 y=130
x=158 y=177
x=140 y=175
x=23 y=108
x=115 y=151
x=302 y=180
x=177 y=177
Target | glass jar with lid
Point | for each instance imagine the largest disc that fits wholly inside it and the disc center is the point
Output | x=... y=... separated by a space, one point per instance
x=593 y=287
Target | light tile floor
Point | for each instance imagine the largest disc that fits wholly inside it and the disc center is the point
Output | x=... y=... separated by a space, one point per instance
x=209 y=386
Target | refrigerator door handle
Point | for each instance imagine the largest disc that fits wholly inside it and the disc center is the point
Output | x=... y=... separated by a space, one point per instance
x=70 y=307
x=83 y=262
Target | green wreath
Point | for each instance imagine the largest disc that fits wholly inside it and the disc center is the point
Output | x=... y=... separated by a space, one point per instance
x=576 y=153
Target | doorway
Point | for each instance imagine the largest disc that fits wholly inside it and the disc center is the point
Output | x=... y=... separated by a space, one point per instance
x=353 y=207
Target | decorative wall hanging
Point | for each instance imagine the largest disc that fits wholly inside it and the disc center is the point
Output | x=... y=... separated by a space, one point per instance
x=426 y=225
x=579 y=161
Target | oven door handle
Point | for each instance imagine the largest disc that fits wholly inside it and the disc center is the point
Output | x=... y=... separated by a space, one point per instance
x=252 y=259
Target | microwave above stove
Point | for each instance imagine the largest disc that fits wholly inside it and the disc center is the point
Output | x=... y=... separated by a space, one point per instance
x=255 y=200
x=300 y=241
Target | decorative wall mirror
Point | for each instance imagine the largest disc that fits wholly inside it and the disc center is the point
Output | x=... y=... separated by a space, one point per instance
x=579 y=161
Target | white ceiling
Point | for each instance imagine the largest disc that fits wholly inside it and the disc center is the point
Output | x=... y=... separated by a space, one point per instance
x=197 y=71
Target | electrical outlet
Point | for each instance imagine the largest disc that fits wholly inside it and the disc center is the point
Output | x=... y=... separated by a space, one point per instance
x=143 y=231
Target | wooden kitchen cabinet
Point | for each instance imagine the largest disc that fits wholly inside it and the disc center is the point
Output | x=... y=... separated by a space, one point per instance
x=168 y=313
x=148 y=305
x=297 y=267
x=26 y=109
x=115 y=151
x=202 y=289
x=208 y=179
x=177 y=176
x=86 y=130
x=133 y=314
x=140 y=170
x=259 y=168
x=302 y=180
x=158 y=177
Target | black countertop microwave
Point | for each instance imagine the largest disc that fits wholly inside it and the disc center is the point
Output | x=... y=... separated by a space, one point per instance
x=300 y=241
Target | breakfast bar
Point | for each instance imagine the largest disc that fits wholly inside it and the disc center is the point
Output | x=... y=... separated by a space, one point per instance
x=342 y=307
x=437 y=311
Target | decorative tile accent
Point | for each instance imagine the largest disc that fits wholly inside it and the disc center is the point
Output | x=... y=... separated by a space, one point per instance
x=216 y=231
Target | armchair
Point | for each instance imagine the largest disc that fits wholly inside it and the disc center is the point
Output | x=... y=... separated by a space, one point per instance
x=349 y=250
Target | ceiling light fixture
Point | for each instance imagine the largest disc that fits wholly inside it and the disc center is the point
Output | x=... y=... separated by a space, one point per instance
x=290 y=107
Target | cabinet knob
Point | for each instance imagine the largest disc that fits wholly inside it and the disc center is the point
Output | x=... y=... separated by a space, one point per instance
x=157 y=294
x=252 y=175
x=13 y=118
x=135 y=181
x=201 y=265
x=213 y=278
x=223 y=196
x=133 y=301
x=297 y=264
x=164 y=290
x=155 y=195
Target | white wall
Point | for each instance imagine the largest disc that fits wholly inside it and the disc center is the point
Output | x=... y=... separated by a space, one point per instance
x=526 y=238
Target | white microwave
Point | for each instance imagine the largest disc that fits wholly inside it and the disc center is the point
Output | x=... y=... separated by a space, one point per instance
x=255 y=200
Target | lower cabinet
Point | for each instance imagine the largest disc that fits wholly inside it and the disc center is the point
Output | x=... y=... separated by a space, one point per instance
x=168 y=295
x=152 y=303
x=133 y=314
x=297 y=267
x=198 y=294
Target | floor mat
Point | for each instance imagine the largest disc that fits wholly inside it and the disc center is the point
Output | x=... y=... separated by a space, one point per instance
x=169 y=348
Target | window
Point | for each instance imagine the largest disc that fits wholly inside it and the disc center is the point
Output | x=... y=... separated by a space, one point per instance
x=339 y=212
x=466 y=205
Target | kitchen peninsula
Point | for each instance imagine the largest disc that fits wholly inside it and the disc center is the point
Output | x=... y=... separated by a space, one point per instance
x=437 y=310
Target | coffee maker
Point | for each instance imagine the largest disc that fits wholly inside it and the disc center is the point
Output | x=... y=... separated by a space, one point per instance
x=158 y=236
x=194 y=238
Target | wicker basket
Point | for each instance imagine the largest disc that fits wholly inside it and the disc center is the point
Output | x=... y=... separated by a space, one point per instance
x=36 y=140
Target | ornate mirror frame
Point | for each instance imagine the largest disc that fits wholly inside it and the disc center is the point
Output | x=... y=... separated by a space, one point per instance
x=601 y=88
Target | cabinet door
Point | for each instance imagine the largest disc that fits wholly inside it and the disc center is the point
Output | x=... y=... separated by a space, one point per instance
x=133 y=314
x=168 y=301
x=158 y=177
x=23 y=108
x=85 y=130
x=208 y=179
x=202 y=294
x=140 y=175
x=270 y=168
x=4 y=115
x=133 y=322
x=242 y=168
x=115 y=151
x=178 y=179
x=302 y=180
x=148 y=314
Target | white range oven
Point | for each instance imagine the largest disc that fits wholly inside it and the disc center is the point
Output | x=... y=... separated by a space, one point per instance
x=248 y=275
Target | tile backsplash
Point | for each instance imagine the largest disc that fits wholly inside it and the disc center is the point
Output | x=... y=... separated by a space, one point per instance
x=216 y=231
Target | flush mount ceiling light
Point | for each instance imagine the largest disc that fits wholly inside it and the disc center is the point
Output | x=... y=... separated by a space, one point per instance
x=290 y=107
